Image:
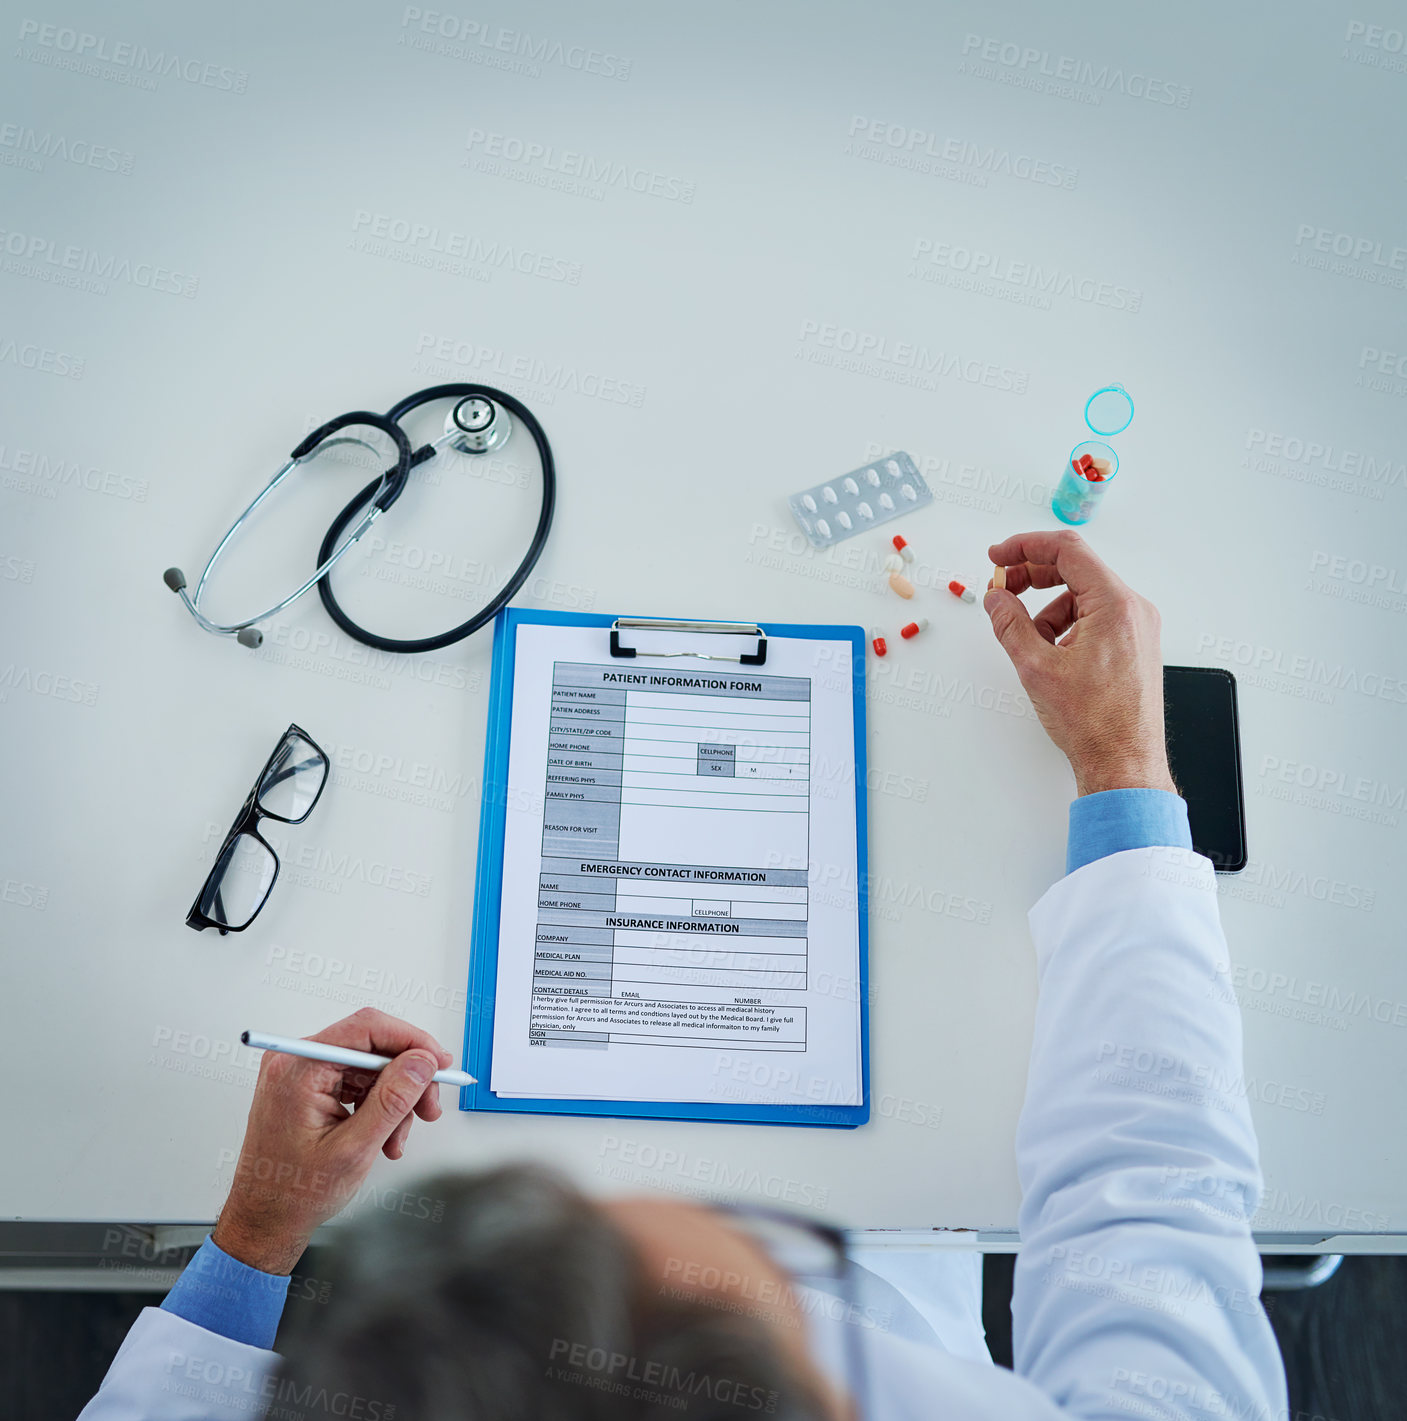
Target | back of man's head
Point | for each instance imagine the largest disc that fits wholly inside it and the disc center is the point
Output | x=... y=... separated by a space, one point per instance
x=510 y=1296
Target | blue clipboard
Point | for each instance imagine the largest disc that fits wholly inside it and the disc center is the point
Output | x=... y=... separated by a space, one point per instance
x=488 y=894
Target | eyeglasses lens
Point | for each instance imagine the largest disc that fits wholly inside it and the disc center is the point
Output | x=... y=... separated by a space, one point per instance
x=292 y=781
x=239 y=883
x=792 y=1246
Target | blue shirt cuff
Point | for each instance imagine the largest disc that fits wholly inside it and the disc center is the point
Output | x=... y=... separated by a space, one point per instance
x=225 y=1296
x=1119 y=819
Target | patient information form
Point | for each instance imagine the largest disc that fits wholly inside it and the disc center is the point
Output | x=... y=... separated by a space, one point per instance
x=680 y=907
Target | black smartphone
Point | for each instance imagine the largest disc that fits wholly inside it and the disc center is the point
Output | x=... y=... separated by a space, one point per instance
x=1204 y=754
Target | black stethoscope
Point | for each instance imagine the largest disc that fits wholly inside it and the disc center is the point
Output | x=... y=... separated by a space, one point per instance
x=476 y=423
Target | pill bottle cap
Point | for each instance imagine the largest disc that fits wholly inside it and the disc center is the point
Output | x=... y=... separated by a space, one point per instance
x=1109 y=411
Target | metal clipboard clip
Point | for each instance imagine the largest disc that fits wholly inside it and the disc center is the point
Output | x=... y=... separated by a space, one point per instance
x=649 y=624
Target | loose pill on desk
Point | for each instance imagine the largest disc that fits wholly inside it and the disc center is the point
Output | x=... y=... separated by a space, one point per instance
x=914 y=628
x=958 y=590
x=893 y=563
x=901 y=584
x=881 y=647
x=901 y=546
x=998 y=577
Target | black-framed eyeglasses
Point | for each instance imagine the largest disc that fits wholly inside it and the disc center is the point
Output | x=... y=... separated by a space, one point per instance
x=246 y=868
x=813 y=1254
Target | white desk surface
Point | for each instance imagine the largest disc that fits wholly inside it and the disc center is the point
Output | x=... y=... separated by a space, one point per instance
x=666 y=229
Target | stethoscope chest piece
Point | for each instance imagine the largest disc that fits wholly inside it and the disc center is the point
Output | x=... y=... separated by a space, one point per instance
x=476 y=425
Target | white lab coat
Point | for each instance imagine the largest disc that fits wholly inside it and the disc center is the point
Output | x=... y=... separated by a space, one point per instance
x=1137 y=1285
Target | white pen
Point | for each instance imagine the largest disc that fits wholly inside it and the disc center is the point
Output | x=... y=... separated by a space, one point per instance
x=339 y=1055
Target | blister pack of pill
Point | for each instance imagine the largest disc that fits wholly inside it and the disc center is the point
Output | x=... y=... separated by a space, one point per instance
x=860 y=500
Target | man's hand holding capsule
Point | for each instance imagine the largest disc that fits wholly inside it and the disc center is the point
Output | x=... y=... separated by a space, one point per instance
x=1089 y=660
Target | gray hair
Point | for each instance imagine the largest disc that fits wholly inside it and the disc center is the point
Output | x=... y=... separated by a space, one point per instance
x=520 y=1300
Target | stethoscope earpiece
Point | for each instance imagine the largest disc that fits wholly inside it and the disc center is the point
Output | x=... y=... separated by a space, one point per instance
x=381 y=492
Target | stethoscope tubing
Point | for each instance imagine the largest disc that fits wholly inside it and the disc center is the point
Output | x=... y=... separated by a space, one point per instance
x=519 y=576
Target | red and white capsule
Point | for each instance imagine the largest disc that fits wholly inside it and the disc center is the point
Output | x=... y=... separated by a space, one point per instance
x=958 y=590
x=902 y=548
x=914 y=628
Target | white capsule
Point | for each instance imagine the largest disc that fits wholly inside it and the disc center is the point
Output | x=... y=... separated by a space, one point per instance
x=808 y=503
x=864 y=510
x=893 y=467
x=828 y=493
x=850 y=486
x=843 y=518
x=885 y=501
x=823 y=528
x=872 y=477
x=908 y=491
